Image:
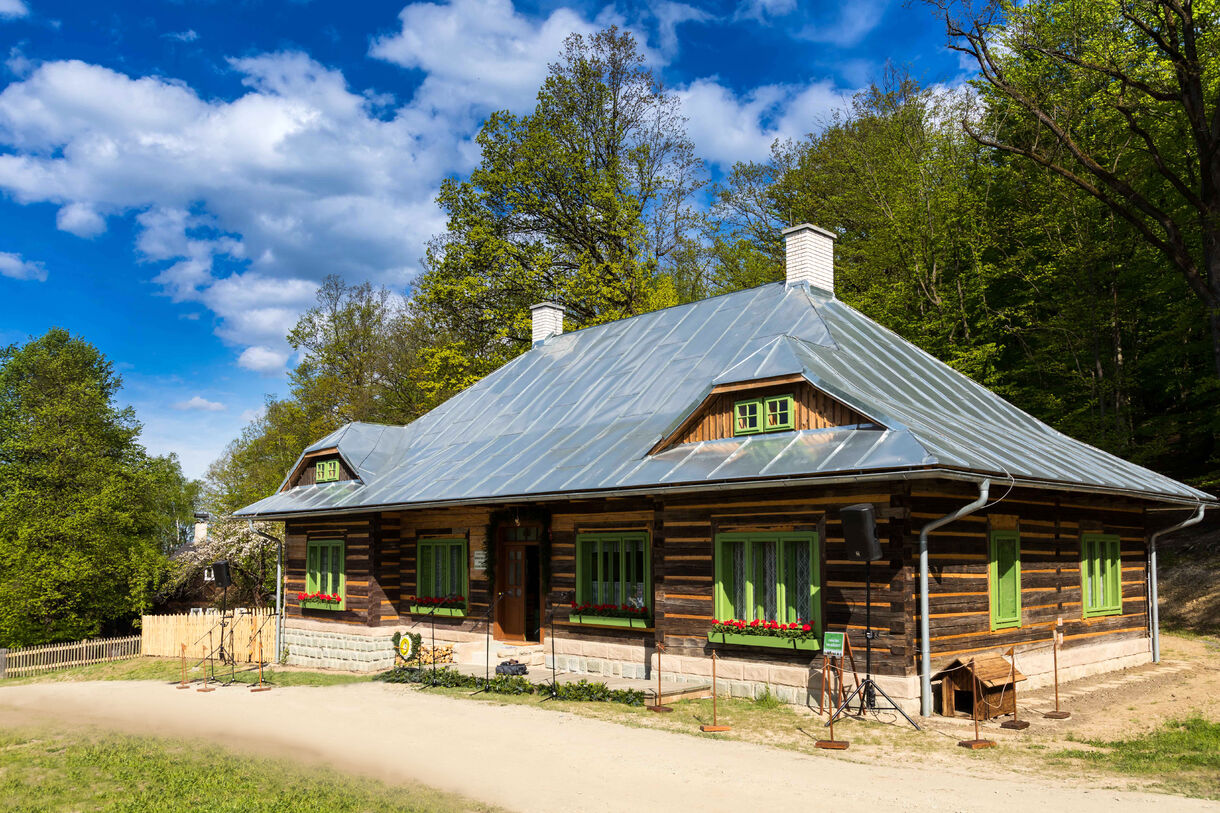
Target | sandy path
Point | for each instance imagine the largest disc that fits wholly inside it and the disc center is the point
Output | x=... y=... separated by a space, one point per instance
x=528 y=759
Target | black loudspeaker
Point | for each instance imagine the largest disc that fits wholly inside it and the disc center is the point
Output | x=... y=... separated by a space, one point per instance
x=220 y=571
x=859 y=532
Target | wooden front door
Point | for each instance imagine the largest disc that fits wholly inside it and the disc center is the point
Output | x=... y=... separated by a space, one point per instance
x=518 y=611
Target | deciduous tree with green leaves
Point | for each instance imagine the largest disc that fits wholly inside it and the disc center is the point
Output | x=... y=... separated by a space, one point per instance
x=586 y=201
x=86 y=515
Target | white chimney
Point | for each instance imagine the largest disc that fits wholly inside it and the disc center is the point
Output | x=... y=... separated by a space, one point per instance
x=548 y=320
x=809 y=254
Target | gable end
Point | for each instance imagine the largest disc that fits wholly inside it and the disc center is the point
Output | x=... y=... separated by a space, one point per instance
x=305 y=474
x=713 y=419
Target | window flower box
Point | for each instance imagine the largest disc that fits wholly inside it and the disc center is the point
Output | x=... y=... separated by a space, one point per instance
x=321 y=601
x=609 y=615
x=445 y=607
x=793 y=637
x=762 y=640
x=609 y=621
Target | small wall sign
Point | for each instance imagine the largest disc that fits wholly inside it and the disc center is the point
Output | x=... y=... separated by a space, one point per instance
x=832 y=644
x=478 y=559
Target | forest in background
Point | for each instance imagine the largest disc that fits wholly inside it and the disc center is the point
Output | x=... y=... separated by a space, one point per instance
x=1048 y=228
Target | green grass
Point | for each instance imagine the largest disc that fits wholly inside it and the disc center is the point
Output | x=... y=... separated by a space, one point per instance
x=44 y=770
x=170 y=670
x=1183 y=754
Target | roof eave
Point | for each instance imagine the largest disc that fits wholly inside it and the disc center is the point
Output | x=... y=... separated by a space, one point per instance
x=906 y=474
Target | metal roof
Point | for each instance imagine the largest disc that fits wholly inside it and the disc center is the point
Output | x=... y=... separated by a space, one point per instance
x=580 y=411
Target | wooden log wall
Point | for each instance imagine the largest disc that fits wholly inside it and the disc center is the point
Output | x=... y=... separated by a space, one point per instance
x=1050 y=525
x=685 y=596
x=358 y=533
x=381 y=577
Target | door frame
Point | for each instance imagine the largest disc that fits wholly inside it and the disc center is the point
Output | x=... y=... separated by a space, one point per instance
x=501 y=563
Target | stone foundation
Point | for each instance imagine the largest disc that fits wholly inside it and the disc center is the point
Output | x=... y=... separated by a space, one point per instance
x=318 y=645
x=739 y=676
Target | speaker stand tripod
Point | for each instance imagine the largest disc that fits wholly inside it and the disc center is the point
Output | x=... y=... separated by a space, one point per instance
x=867 y=690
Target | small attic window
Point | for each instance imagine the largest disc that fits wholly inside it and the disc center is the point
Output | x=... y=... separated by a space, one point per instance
x=774 y=414
x=326 y=471
x=747 y=417
x=779 y=413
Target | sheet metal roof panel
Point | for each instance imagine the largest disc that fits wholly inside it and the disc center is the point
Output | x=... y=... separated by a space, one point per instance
x=580 y=411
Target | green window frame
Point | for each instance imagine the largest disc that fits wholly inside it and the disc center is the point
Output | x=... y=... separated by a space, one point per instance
x=614 y=568
x=442 y=569
x=326 y=471
x=1004 y=577
x=747 y=417
x=779 y=413
x=769 y=577
x=1101 y=575
x=325 y=572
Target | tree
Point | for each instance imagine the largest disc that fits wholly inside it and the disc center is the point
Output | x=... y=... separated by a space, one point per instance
x=1119 y=98
x=586 y=201
x=86 y=515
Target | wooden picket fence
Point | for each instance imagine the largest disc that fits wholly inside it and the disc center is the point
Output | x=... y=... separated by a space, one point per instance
x=164 y=635
x=34 y=660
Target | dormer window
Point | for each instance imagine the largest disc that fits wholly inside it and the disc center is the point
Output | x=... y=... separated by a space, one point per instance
x=747 y=417
x=779 y=413
x=326 y=471
x=773 y=414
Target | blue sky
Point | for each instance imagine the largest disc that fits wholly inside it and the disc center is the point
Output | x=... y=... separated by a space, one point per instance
x=177 y=177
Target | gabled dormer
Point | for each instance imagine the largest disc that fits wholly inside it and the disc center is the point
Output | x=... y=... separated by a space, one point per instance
x=779 y=404
x=318 y=468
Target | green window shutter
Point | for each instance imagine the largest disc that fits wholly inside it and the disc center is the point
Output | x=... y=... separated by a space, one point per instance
x=311 y=568
x=779 y=413
x=1101 y=587
x=423 y=569
x=747 y=417
x=326 y=471
x=724 y=590
x=1005 y=577
x=586 y=569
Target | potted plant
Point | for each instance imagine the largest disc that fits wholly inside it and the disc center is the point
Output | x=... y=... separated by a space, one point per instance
x=793 y=635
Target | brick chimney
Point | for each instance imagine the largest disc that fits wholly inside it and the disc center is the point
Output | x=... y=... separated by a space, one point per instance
x=548 y=320
x=810 y=257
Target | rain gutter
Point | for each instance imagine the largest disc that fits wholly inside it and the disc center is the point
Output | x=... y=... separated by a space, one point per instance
x=925 y=643
x=1152 y=580
x=906 y=475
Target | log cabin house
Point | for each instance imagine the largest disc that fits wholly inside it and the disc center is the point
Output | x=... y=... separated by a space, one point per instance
x=689 y=465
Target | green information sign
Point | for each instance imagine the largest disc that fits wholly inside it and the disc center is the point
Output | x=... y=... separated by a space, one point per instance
x=832 y=644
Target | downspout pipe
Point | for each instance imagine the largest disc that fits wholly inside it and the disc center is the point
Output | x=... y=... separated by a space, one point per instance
x=925 y=643
x=279 y=588
x=1152 y=581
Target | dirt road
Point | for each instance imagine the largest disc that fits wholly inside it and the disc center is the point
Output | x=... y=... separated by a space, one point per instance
x=527 y=759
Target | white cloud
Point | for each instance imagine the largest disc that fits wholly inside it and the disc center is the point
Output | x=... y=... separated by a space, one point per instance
x=850 y=24
x=299 y=177
x=12 y=266
x=199 y=403
x=728 y=127
x=762 y=9
x=476 y=53
x=80 y=219
x=12 y=9
x=669 y=16
x=264 y=360
x=182 y=36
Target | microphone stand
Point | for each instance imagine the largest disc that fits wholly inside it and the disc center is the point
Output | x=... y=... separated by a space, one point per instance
x=554 y=664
